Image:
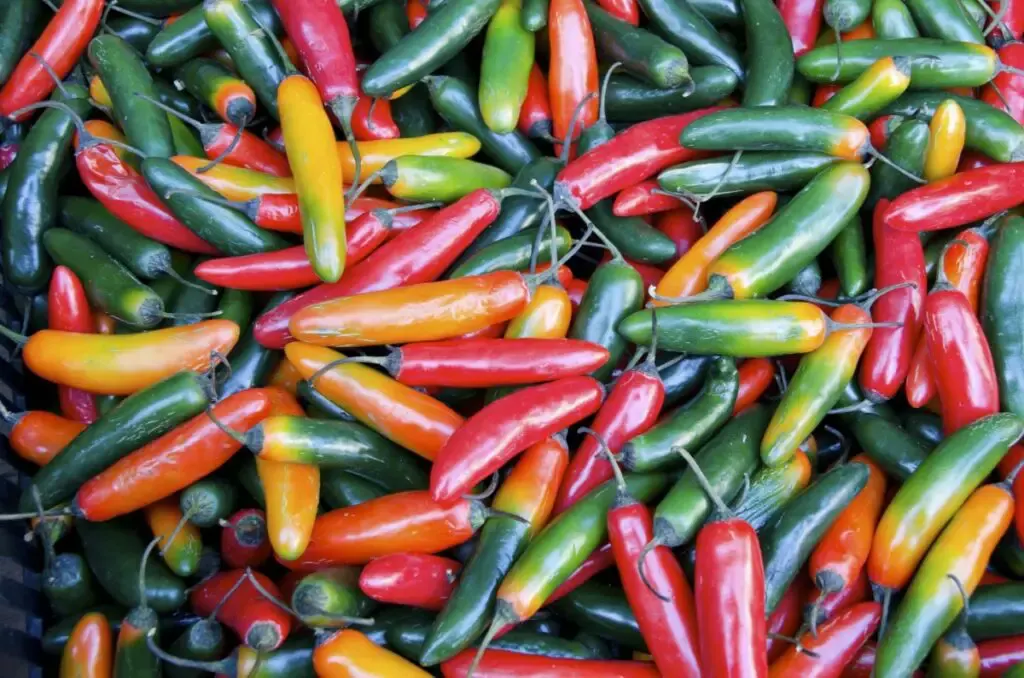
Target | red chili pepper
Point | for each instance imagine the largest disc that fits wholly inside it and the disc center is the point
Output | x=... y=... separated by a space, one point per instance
x=963 y=265
x=999 y=654
x=249 y=152
x=481 y=363
x=415 y=256
x=68 y=310
x=899 y=258
x=627 y=10
x=1013 y=18
x=659 y=593
x=413 y=579
x=823 y=93
x=970 y=160
x=37 y=436
x=835 y=646
x=507 y=664
x=576 y=289
x=960 y=199
x=1018 y=497
x=415 y=12
x=173 y=461
x=863 y=664
x=785 y=619
x=319 y=32
x=258 y=621
x=504 y=428
x=378 y=126
x=632 y=156
x=881 y=128
x=61 y=45
x=597 y=562
x=126 y=194
x=244 y=540
x=803 y=20
x=404 y=522
x=965 y=375
x=535 y=118
x=1009 y=83
x=989 y=577
x=280 y=212
x=572 y=72
x=828 y=604
x=680 y=226
x=642 y=199
x=756 y=375
x=631 y=408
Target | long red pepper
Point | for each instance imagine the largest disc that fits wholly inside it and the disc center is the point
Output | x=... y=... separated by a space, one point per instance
x=644 y=198
x=414 y=256
x=803 y=20
x=1009 y=83
x=962 y=198
x=506 y=664
x=244 y=540
x=632 y=156
x=126 y=194
x=413 y=579
x=68 y=310
x=258 y=621
x=61 y=45
x=572 y=73
x=627 y=10
x=835 y=646
x=597 y=562
x=506 y=427
x=280 y=212
x=319 y=32
x=899 y=258
x=249 y=151
x=535 y=118
x=632 y=407
x=999 y=654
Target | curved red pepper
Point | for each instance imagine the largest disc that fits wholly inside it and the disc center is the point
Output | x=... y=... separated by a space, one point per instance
x=1010 y=84
x=126 y=194
x=627 y=10
x=259 y=622
x=61 y=45
x=506 y=664
x=418 y=255
x=899 y=258
x=642 y=199
x=632 y=407
x=535 y=118
x=632 y=156
x=835 y=646
x=68 y=310
x=504 y=428
x=962 y=198
x=319 y=32
x=803 y=20
x=680 y=226
x=729 y=589
x=855 y=592
x=999 y=654
x=479 y=363
x=597 y=562
x=572 y=72
x=785 y=619
x=756 y=375
x=413 y=579
x=669 y=627
x=961 y=359
x=244 y=540
x=380 y=126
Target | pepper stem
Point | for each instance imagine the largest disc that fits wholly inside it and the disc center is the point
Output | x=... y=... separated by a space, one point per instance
x=235 y=435
x=174 y=533
x=186 y=316
x=170 y=110
x=52 y=514
x=143 y=602
x=963 y=594
x=491 y=488
x=809 y=299
x=640 y=561
x=875 y=295
x=49 y=555
x=268 y=595
x=16 y=337
x=223 y=155
x=718 y=185
x=710 y=294
x=703 y=481
x=502 y=616
x=177 y=277
x=604 y=91
x=878 y=155
x=570 y=134
x=50 y=72
x=620 y=480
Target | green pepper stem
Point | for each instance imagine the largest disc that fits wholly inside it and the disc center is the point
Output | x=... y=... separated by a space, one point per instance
x=222 y=156
x=620 y=480
x=235 y=435
x=570 y=134
x=227 y=596
x=718 y=185
x=52 y=514
x=604 y=91
x=177 y=277
x=703 y=481
x=177 y=529
x=223 y=666
x=186 y=316
x=878 y=155
x=810 y=299
x=143 y=602
x=170 y=110
x=16 y=337
x=874 y=295
x=113 y=6
x=710 y=294
x=997 y=19
x=491 y=488
x=270 y=596
x=963 y=594
x=49 y=555
x=640 y=570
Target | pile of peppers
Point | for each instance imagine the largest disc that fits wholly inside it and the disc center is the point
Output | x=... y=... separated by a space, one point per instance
x=541 y=338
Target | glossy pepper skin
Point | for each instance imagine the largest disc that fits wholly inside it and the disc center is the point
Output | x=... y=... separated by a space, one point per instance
x=504 y=663
x=69 y=311
x=573 y=71
x=89 y=650
x=349 y=653
x=413 y=579
x=260 y=623
x=38 y=436
x=506 y=427
x=803 y=20
x=836 y=644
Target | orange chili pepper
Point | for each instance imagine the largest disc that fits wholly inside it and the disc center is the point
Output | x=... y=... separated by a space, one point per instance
x=37 y=436
x=285 y=376
x=412 y=419
x=546 y=316
x=424 y=312
x=292 y=491
x=237 y=183
x=89 y=652
x=173 y=461
x=375 y=154
x=756 y=375
x=122 y=364
x=841 y=554
x=688 y=275
x=572 y=73
x=181 y=555
x=948 y=131
x=350 y=654
x=313 y=156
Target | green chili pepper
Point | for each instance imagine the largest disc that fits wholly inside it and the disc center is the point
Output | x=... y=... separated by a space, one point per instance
x=906 y=148
x=221 y=90
x=322 y=598
x=505 y=68
x=683 y=26
x=513 y=253
x=945 y=19
x=202 y=641
x=769 y=55
x=881 y=436
x=641 y=53
x=602 y=609
x=850 y=258
x=845 y=15
x=341 y=489
x=414 y=114
x=1002 y=309
x=753 y=172
x=68 y=585
x=17 y=24
x=135 y=32
x=236 y=306
x=635 y=238
x=615 y=290
x=535 y=14
x=682 y=376
x=208 y=500
x=771 y=488
x=190 y=36
x=421 y=178
x=628 y=99
x=892 y=21
x=924 y=426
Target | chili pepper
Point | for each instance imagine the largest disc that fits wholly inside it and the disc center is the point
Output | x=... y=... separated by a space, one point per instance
x=641 y=53
x=505 y=68
x=642 y=199
x=19 y=18
x=822 y=606
x=948 y=130
x=878 y=86
x=420 y=179
x=600 y=560
x=955 y=654
x=785 y=619
x=514 y=253
x=528 y=492
x=958 y=64
x=572 y=73
x=244 y=541
x=236 y=183
x=995 y=609
x=686 y=28
x=755 y=376
x=816 y=386
x=68 y=585
x=38 y=436
x=947 y=20
x=69 y=312
x=632 y=156
x=934 y=493
x=803 y=21
x=182 y=457
x=953 y=565
x=330 y=598
x=59 y=47
x=883 y=126
x=1006 y=89
x=166 y=520
x=209 y=82
x=892 y=21
x=259 y=622
x=681 y=228
x=372 y=121
x=208 y=501
x=124 y=192
x=350 y=653
x=770 y=54
x=535 y=116
x=416 y=580
x=282 y=270
x=240 y=31
x=506 y=427
x=964 y=371
x=836 y=644
x=999 y=310
x=88 y=653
